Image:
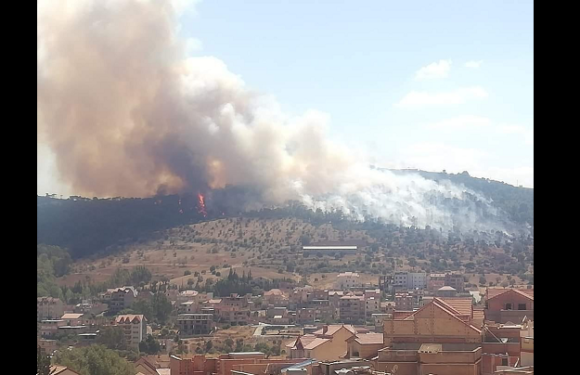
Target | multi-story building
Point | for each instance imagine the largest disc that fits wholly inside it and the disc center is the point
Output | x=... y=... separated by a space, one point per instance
x=305 y=315
x=403 y=301
x=134 y=328
x=48 y=308
x=372 y=305
x=455 y=280
x=49 y=327
x=334 y=297
x=435 y=281
x=195 y=324
x=347 y=280
x=410 y=280
x=352 y=309
x=121 y=298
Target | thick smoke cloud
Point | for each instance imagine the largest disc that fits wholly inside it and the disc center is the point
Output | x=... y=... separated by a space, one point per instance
x=126 y=113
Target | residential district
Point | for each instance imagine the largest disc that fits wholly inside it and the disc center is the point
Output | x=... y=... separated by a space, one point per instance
x=407 y=323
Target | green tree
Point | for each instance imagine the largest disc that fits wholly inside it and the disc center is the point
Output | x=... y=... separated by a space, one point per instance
x=94 y=360
x=149 y=345
x=208 y=346
x=42 y=363
x=112 y=338
x=140 y=274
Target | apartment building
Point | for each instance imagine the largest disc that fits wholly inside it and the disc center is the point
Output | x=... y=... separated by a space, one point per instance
x=134 y=328
x=410 y=280
x=352 y=309
x=120 y=298
x=195 y=324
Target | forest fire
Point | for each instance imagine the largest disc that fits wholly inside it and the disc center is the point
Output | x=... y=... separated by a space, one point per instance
x=201 y=209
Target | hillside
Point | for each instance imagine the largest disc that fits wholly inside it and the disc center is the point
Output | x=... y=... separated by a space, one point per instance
x=204 y=252
x=87 y=227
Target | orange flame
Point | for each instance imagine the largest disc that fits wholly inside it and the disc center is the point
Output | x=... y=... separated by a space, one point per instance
x=201 y=209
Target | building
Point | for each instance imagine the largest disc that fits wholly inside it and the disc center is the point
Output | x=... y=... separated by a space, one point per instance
x=365 y=345
x=446 y=291
x=305 y=315
x=439 y=338
x=509 y=305
x=134 y=328
x=347 y=280
x=527 y=344
x=120 y=299
x=352 y=309
x=372 y=306
x=46 y=346
x=500 y=347
x=403 y=301
x=48 y=308
x=410 y=280
x=195 y=324
x=435 y=281
x=455 y=280
x=276 y=297
x=49 y=327
x=229 y=364
x=326 y=344
x=74 y=319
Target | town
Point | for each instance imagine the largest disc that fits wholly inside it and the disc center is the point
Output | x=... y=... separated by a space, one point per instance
x=410 y=323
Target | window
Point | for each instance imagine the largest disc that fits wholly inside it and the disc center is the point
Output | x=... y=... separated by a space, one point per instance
x=521 y=306
x=504 y=362
x=508 y=306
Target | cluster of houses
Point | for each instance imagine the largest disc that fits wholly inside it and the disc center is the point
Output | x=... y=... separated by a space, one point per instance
x=409 y=323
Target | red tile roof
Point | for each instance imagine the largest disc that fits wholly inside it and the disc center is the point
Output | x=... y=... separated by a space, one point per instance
x=494 y=292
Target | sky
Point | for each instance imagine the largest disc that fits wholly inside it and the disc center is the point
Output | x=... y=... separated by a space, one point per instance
x=443 y=85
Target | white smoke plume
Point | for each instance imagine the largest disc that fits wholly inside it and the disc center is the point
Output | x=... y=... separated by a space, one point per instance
x=126 y=113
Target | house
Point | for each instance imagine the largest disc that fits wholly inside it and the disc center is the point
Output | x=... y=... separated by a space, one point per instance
x=509 y=305
x=195 y=324
x=62 y=370
x=134 y=328
x=364 y=345
x=347 y=280
x=276 y=297
x=326 y=344
x=48 y=308
x=352 y=309
x=438 y=338
x=305 y=315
